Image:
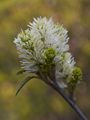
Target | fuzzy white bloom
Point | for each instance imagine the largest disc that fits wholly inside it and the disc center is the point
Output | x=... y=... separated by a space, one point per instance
x=65 y=67
x=43 y=43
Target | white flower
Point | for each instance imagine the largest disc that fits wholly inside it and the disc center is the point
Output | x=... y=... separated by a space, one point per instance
x=64 y=66
x=44 y=45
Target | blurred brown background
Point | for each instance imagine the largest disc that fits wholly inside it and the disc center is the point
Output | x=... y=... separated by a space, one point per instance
x=37 y=101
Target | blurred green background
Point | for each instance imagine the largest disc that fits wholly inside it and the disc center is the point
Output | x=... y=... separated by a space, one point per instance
x=37 y=101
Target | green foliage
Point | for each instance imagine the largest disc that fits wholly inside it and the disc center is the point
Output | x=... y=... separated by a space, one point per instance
x=20 y=72
x=23 y=82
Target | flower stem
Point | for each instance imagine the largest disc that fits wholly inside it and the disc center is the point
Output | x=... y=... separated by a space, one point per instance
x=70 y=102
x=56 y=87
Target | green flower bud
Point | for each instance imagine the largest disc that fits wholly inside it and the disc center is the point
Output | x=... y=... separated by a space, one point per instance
x=49 y=55
x=75 y=79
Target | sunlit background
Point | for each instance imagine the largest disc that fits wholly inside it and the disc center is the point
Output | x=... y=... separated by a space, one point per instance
x=37 y=101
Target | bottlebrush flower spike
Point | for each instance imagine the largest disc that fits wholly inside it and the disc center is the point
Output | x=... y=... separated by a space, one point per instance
x=43 y=47
x=43 y=50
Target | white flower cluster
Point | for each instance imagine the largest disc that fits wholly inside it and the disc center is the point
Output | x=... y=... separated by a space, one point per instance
x=43 y=43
